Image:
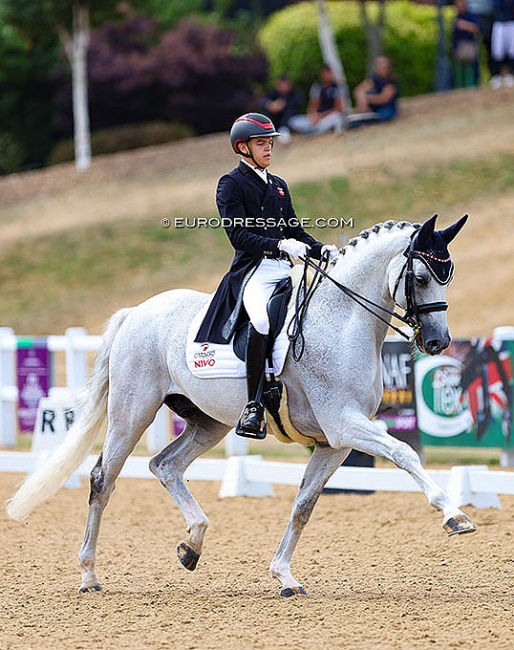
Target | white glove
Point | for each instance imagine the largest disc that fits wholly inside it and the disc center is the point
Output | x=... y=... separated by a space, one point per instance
x=331 y=250
x=293 y=247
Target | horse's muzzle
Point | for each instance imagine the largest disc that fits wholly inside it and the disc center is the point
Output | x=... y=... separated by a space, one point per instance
x=432 y=345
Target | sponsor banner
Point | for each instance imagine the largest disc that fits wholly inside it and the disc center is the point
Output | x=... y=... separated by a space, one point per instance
x=33 y=379
x=398 y=406
x=464 y=397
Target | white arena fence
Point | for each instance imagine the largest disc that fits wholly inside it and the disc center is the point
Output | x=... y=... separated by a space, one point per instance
x=251 y=476
x=76 y=343
x=239 y=473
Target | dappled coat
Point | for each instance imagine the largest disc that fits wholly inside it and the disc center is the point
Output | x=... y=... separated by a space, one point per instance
x=268 y=216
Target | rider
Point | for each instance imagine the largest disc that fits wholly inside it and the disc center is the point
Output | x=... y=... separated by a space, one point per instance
x=258 y=216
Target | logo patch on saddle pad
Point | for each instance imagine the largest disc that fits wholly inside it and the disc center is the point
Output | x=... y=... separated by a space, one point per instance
x=215 y=360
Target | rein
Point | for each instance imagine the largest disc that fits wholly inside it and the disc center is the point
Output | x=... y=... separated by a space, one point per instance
x=410 y=318
x=302 y=300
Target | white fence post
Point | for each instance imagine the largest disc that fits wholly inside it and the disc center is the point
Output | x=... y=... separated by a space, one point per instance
x=8 y=391
x=460 y=489
x=236 y=484
x=76 y=359
x=157 y=436
x=236 y=445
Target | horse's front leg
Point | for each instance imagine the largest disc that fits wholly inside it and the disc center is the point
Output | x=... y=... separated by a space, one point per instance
x=322 y=464
x=372 y=438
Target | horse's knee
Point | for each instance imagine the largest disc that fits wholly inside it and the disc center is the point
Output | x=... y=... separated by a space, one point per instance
x=404 y=455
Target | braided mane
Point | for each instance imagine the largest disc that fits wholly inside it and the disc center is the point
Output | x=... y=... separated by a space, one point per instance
x=377 y=228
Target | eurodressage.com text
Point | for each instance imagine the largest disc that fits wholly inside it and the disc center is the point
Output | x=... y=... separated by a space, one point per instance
x=257 y=222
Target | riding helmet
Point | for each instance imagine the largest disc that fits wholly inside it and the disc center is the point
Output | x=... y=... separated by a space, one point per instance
x=250 y=125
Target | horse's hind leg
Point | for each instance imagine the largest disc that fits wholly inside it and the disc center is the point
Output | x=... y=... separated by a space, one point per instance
x=125 y=428
x=201 y=434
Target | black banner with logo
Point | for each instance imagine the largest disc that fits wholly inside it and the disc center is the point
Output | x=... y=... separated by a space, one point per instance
x=398 y=406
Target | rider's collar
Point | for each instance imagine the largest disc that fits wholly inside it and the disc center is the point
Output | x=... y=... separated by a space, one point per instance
x=435 y=256
x=263 y=173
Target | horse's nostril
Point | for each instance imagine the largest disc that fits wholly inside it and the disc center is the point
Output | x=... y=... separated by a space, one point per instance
x=433 y=345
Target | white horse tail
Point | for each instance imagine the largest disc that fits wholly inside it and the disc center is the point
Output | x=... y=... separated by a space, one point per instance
x=80 y=439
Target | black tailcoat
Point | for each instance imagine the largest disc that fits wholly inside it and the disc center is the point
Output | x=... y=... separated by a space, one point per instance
x=268 y=216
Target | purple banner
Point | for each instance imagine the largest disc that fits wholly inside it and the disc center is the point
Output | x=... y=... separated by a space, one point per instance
x=33 y=377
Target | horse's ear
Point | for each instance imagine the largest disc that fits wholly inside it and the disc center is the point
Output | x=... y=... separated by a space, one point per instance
x=449 y=234
x=425 y=232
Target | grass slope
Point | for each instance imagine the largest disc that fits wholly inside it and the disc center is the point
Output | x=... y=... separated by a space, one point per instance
x=74 y=248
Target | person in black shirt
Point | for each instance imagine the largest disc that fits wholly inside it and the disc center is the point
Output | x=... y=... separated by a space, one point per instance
x=465 y=47
x=281 y=103
x=325 y=109
x=502 y=47
x=379 y=93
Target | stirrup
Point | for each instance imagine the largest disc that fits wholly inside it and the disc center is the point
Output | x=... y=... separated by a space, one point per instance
x=255 y=435
x=249 y=430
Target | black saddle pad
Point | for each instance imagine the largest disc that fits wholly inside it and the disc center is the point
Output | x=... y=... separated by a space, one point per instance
x=277 y=312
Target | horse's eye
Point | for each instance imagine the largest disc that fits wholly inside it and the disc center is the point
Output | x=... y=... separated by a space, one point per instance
x=422 y=280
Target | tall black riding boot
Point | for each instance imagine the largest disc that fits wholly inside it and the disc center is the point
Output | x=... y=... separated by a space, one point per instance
x=251 y=423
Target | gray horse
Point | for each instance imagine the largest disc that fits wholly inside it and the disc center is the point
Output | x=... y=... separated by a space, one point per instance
x=333 y=390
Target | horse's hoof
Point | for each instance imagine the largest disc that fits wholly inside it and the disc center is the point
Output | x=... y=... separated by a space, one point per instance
x=90 y=589
x=458 y=525
x=187 y=556
x=287 y=592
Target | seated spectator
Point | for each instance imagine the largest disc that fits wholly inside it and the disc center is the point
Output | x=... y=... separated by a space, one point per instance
x=325 y=109
x=280 y=104
x=502 y=46
x=466 y=29
x=376 y=98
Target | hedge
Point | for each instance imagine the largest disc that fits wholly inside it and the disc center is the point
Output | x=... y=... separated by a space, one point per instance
x=290 y=41
x=123 y=138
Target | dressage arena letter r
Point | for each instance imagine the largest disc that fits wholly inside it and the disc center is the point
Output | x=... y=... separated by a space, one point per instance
x=48 y=418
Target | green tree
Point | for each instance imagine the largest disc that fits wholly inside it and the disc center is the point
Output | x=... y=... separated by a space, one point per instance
x=25 y=99
x=290 y=40
x=170 y=13
x=41 y=20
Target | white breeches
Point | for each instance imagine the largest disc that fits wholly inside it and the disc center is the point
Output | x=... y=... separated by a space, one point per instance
x=502 y=43
x=259 y=288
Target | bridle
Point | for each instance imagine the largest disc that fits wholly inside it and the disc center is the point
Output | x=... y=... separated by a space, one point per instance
x=413 y=310
x=410 y=317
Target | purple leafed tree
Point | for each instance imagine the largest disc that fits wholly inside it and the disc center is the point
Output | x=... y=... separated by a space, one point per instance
x=192 y=75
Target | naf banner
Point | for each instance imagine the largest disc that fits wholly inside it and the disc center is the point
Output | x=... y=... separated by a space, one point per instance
x=465 y=396
x=398 y=406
